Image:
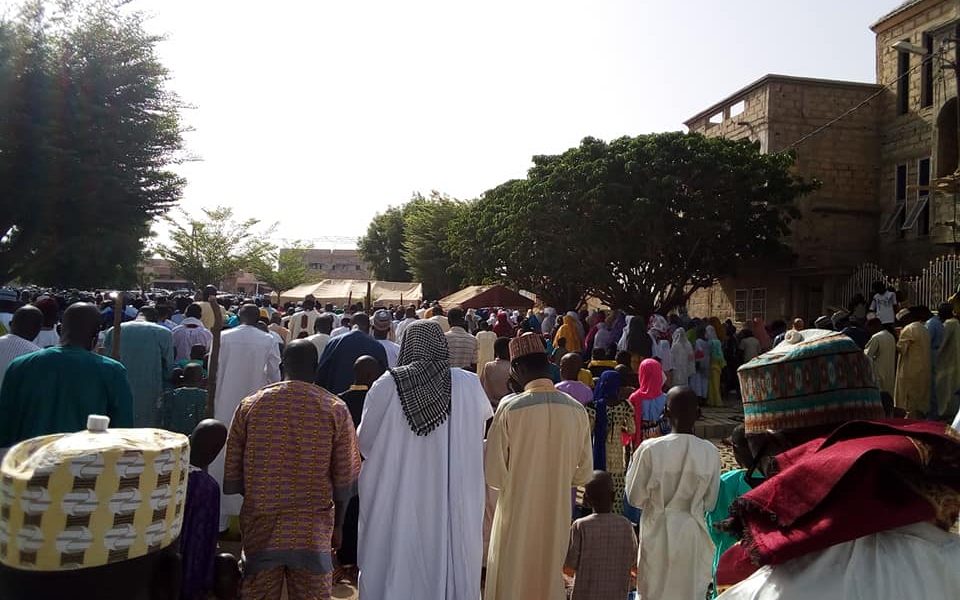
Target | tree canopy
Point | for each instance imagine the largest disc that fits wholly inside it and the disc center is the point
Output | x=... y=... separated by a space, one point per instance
x=411 y=242
x=209 y=249
x=639 y=222
x=88 y=131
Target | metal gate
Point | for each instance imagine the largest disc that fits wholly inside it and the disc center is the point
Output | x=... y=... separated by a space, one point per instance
x=935 y=284
x=861 y=282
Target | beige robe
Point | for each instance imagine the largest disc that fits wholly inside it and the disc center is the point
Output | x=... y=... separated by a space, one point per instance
x=538 y=448
x=882 y=351
x=948 y=369
x=914 y=372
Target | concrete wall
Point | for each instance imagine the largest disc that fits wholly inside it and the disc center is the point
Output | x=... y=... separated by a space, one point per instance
x=324 y=263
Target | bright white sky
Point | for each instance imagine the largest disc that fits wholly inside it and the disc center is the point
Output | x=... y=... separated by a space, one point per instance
x=319 y=114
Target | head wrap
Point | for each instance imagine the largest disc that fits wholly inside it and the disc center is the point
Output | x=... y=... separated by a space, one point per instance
x=422 y=376
x=526 y=344
x=651 y=378
x=87 y=499
x=607 y=389
x=659 y=327
x=815 y=378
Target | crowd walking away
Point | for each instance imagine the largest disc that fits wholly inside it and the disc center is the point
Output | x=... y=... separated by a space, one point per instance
x=211 y=445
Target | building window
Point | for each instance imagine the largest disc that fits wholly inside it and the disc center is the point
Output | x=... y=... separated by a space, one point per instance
x=357 y=267
x=926 y=72
x=758 y=304
x=316 y=267
x=903 y=82
x=897 y=217
x=740 y=304
x=923 y=197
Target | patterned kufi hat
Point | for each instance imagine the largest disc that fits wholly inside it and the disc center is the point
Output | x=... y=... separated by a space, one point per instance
x=526 y=344
x=86 y=499
x=813 y=378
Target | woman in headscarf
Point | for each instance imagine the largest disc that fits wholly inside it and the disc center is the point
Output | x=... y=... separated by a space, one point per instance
x=568 y=331
x=717 y=362
x=636 y=341
x=549 y=320
x=533 y=323
x=648 y=402
x=578 y=322
x=594 y=321
x=611 y=418
x=603 y=338
x=759 y=330
x=660 y=336
x=424 y=464
x=719 y=329
x=684 y=361
x=503 y=328
x=700 y=380
x=616 y=323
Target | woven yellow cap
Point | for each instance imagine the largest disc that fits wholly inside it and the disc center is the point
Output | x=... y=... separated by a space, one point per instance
x=79 y=500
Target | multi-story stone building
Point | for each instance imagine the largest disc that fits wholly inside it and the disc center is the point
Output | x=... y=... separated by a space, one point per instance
x=327 y=263
x=878 y=150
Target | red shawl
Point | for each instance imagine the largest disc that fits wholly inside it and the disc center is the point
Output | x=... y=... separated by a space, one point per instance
x=866 y=477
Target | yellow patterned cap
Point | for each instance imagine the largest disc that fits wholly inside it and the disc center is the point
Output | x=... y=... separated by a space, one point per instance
x=86 y=499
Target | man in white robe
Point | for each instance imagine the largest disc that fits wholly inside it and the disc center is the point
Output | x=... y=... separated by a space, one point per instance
x=675 y=480
x=421 y=485
x=249 y=360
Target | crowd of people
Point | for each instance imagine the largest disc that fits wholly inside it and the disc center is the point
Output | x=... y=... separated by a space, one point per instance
x=434 y=452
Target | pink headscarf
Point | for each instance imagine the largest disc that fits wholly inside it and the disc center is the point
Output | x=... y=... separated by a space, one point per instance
x=651 y=379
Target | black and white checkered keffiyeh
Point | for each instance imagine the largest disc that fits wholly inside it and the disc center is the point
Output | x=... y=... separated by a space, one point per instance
x=422 y=375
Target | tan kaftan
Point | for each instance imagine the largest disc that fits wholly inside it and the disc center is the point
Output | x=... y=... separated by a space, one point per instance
x=538 y=448
x=914 y=372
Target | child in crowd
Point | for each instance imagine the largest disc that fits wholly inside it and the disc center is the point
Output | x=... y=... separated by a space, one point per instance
x=198 y=356
x=602 y=546
x=201 y=512
x=183 y=407
x=627 y=375
x=366 y=370
x=733 y=484
x=674 y=479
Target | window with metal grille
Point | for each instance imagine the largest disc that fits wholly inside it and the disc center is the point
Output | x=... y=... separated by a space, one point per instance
x=741 y=302
x=758 y=304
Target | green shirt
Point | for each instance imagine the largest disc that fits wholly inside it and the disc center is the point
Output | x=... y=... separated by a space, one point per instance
x=54 y=390
x=733 y=484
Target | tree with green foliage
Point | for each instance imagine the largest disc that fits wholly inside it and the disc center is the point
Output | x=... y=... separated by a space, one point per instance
x=640 y=222
x=88 y=131
x=209 y=249
x=382 y=246
x=426 y=247
x=282 y=269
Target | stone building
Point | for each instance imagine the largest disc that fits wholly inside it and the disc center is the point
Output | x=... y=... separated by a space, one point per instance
x=328 y=263
x=876 y=148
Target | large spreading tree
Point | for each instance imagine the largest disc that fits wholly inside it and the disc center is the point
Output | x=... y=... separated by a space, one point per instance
x=88 y=131
x=639 y=222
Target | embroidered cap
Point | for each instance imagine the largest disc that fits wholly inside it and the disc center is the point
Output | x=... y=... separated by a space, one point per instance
x=813 y=378
x=382 y=320
x=526 y=344
x=86 y=499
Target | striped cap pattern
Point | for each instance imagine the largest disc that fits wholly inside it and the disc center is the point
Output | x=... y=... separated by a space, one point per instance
x=818 y=378
x=72 y=501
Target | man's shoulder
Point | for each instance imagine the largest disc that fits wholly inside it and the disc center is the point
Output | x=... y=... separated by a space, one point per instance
x=527 y=399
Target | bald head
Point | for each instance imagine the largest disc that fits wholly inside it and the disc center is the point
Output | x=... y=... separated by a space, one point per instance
x=27 y=322
x=683 y=409
x=570 y=366
x=366 y=370
x=81 y=322
x=300 y=361
x=249 y=314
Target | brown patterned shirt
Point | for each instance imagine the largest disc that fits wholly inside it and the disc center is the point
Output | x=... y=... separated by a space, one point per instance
x=603 y=549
